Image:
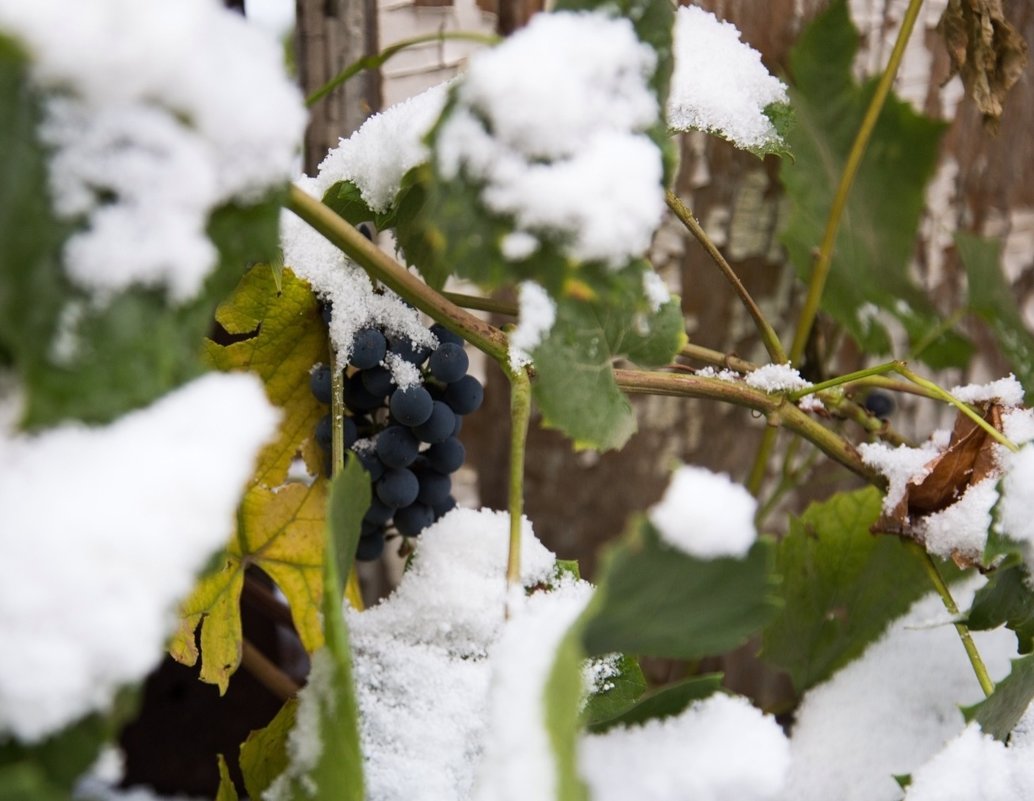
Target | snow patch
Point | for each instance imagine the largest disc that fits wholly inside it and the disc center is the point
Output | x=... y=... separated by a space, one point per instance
x=718 y=749
x=98 y=615
x=557 y=114
x=142 y=160
x=776 y=378
x=719 y=84
x=705 y=514
x=537 y=313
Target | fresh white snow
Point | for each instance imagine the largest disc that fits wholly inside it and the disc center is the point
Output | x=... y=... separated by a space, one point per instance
x=536 y=315
x=718 y=749
x=891 y=710
x=149 y=135
x=705 y=514
x=552 y=123
x=719 y=84
x=102 y=530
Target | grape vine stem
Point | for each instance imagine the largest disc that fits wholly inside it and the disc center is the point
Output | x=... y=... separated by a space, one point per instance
x=768 y=334
x=379 y=265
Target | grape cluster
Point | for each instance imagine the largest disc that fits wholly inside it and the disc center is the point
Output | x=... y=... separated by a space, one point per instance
x=405 y=437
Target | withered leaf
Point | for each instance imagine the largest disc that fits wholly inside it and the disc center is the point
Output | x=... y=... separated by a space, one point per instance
x=968 y=459
x=986 y=50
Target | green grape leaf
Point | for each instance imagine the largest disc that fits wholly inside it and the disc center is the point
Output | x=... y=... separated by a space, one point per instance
x=323 y=754
x=662 y=703
x=282 y=532
x=993 y=300
x=1006 y=599
x=653 y=600
x=278 y=335
x=263 y=754
x=875 y=242
x=841 y=586
x=619 y=693
x=999 y=713
x=226 y=791
x=561 y=708
x=574 y=383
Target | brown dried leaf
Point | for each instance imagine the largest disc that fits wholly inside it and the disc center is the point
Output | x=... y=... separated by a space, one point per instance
x=986 y=50
x=968 y=459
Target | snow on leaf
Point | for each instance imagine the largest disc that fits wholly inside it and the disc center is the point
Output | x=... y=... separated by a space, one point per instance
x=282 y=533
x=279 y=337
x=720 y=85
x=551 y=136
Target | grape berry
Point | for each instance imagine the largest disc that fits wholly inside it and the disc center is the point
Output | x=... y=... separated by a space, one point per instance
x=409 y=445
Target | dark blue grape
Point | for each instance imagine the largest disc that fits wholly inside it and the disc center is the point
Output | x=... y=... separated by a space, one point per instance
x=407 y=351
x=459 y=425
x=449 y=363
x=439 y=426
x=377 y=381
x=443 y=334
x=326 y=311
x=368 y=348
x=397 y=447
x=411 y=406
x=366 y=229
x=357 y=398
x=413 y=519
x=370 y=546
x=465 y=395
x=319 y=383
x=378 y=514
x=372 y=464
x=444 y=508
x=446 y=457
x=435 y=487
x=880 y=404
x=324 y=432
x=398 y=487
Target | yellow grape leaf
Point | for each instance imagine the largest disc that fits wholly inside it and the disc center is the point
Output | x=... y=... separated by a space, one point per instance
x=281 y=338
x=282 y=532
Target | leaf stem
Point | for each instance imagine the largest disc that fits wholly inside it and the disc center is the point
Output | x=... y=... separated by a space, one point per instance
x=847 y=378
x=930 y=386
x=520 y=416
x=820 y=273
x=376 y=60
x=979 y=668
x=381 y=266
x=767 y=333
